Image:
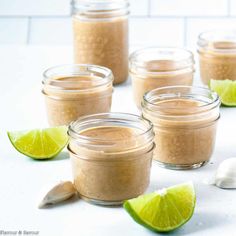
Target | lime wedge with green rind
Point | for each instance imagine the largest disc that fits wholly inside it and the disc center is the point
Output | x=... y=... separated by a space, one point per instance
x=226 y=89
x=40 y=143
x=163 y=210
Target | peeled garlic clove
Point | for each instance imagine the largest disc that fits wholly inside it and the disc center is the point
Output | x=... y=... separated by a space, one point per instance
x=224 y=182
x=226 y=174
x=60 y=192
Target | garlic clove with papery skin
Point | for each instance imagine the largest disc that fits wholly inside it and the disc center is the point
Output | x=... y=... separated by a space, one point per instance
x=226 y=174
x=59 y=193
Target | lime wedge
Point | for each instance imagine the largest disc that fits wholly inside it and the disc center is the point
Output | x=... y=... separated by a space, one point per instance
x=40 y=143
x=226 y=89
x=164 y=210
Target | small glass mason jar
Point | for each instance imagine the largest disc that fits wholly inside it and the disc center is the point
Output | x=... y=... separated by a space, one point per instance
x=185 y=120
x=101 y=34
x=152 y=68
x=74 y=90
x=111 y=156
x=217 y=55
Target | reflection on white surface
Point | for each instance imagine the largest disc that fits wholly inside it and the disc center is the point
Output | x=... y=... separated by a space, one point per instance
x=21 y=178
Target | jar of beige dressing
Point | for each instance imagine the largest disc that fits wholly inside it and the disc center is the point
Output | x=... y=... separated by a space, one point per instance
x=184 y=119
x=217 y=55
x=111 y=155
x=152 y=68
x=73 y=90
x=101 y=34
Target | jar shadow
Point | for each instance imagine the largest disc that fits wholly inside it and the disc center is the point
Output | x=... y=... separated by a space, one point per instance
x=73 y=200
x=61 y=156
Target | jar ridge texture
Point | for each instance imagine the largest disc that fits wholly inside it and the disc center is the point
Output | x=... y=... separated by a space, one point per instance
x=113 y=168
x=152 y=68
x=185 y=128
x=70 y=96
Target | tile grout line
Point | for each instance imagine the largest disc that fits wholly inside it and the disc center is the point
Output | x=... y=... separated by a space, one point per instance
x=35 y=16
x=181 y=17
x=29 y=30
x=185 y=31
x=132 y=16
x=149 y=8
x=229 y=7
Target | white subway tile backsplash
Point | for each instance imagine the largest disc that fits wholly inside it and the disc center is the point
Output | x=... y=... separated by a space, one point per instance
x=51 y=31
x=13 y=30
x=34 y=7
x=55 y=7
x=189 y=7
x=157 y=32
x=144 y=32
x=197 y=26
x=232 y=5
x=153 y=22
x=139 y=8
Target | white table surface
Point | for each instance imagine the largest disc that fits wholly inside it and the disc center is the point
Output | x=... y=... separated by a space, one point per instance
x=21 y=179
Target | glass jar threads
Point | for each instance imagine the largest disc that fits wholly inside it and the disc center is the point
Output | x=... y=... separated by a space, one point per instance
x=111 y=156
x=184 y=120
x=73 y=90
x=217 y=55
x=152 y=68
x=101 y=35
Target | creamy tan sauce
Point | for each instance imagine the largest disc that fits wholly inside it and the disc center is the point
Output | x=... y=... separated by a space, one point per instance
x=103 y=43
x=68 y=98
x=110 y=133
x=182 y=139
x=218 y=62
x=159 y=73
x=113 y=171
x=75 y=82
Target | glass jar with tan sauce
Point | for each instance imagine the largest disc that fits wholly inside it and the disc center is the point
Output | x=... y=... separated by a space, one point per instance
x=72 y=91
x=185 y=121
x=217 y=55
x=101 y=34
x=111 y=156
x=152 y=68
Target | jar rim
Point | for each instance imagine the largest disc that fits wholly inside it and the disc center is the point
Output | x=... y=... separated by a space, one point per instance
x=214 y=102
x=101 y=7
x=118 y=119
x=113 y=157
x=220 y=40
x=100 y=4
x=51 y=76
x=177 y=58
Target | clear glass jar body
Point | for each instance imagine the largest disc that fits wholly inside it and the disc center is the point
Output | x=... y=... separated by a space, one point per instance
x=217 y=55
x=72 y=91
x=101 y=35
x=152 y=68
x=184 y=120
x=114 y=165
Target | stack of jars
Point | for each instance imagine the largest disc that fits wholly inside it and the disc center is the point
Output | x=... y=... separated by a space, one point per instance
x=111 y=153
